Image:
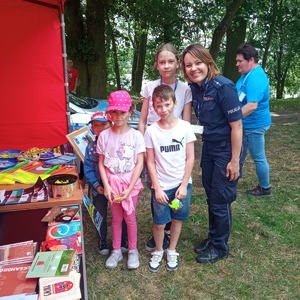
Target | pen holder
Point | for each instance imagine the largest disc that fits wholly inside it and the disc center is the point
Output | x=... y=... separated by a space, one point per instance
x=62 y=186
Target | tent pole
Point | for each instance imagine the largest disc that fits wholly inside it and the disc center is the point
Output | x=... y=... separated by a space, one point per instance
x=63 y=36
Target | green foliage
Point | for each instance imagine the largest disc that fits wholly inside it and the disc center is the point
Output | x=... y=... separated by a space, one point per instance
x=185 y=21
x=82 y=50
x=290 y=104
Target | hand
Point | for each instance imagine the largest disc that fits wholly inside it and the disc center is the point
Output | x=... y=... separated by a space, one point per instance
x=123 y=196
x=161 y=196
x=233 y=170
x=109 y=194
x=181 y=192
x=100 y=190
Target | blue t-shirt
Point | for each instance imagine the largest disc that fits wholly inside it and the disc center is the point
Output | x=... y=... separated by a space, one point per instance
x=216 y=103
x=254 y=87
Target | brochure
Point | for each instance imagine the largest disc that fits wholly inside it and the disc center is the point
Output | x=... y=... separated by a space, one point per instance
x=52 y=263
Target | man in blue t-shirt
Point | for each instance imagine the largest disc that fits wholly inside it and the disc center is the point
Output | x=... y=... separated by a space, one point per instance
x=254 y=95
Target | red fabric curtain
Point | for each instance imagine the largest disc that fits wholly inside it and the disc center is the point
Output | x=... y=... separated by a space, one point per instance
x=32 y=95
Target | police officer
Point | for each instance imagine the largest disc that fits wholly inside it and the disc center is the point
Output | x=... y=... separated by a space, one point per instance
x=217 y=107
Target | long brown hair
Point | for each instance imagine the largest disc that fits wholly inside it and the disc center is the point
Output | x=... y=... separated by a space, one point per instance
x=165 y=47
x=204 y=56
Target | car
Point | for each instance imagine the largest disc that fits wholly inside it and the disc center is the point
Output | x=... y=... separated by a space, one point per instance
x=81 y=109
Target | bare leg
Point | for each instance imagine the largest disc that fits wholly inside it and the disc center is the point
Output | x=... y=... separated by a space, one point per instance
x=158 y=233
x=175 y=233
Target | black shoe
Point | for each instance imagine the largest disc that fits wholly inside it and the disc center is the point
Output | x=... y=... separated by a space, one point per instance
x=150 y=244
x=202 y=246
x=209 y=257
x=103 y=249
x=260 y=192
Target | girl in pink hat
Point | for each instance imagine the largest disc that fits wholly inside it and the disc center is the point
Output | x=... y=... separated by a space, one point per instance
x=121 y=159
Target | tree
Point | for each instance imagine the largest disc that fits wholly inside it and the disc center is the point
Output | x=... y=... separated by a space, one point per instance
x=234 y=37
x=75 y=39
x=223 y=26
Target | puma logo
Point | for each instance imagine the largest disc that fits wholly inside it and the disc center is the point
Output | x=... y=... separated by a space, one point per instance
x=175 y=141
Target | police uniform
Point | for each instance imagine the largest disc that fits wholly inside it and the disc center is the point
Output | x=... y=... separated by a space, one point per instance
x=216 y=104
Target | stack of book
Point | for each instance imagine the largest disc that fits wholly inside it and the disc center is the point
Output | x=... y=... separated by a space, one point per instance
x=57 y=263
x=64 y=229
x=15 y=261
x=57 y=280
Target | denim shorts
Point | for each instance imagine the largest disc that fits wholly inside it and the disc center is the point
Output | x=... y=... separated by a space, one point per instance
x=162 y=213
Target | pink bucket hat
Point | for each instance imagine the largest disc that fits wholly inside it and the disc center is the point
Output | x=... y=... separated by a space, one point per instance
x=119 y=100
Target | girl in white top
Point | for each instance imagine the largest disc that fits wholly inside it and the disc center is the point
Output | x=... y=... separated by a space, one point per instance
x=167 y=64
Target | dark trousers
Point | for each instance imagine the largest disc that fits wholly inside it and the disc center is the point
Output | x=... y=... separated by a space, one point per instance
x=101 y=204
x=220 y=191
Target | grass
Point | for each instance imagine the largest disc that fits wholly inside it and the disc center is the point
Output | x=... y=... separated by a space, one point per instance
x=264 y=260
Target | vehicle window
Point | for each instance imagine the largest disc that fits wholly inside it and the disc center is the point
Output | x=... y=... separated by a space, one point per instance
x=82 y=102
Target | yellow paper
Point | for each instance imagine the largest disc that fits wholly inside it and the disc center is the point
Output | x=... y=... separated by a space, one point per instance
x=6 y=179
x=27 y=177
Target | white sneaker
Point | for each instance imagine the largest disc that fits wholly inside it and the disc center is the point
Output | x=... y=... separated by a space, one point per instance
x=154 y=263
x=172 y=262
x=115 y=257
x=133 y=259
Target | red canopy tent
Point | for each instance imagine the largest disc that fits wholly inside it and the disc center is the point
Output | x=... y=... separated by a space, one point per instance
x=33 y=102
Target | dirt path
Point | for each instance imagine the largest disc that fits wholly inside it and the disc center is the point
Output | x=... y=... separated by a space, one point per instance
x=286 y=117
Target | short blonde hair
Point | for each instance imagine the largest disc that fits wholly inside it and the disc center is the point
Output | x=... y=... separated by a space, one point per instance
x=204 y=56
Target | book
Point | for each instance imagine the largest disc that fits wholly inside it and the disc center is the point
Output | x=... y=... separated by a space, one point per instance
x=17 y=253
x=13 y=280
x=93 y=212
x=21 y=297
x=61 y=214
x=38 y=192
x=60 y=160
x=69 y=242
x=13 y=197
x=52 y=263
x=62 y=230
x=62 y=288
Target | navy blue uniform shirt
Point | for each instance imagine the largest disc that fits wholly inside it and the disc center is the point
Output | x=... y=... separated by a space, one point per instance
x=216 y=103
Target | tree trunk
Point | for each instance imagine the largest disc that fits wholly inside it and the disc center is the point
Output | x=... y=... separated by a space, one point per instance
x=75 y=35
x=97 y=69
x=234 y=37
x=115 y=55
x=223 y=26
x=140 y=62
x=270 y=34
x=135 y=43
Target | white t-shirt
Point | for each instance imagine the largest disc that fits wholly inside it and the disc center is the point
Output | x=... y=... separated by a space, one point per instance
x=120 y=150
x=183 y=96
x=170 y=152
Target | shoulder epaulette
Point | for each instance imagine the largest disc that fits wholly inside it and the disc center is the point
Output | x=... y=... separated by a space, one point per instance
x=217 y=83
